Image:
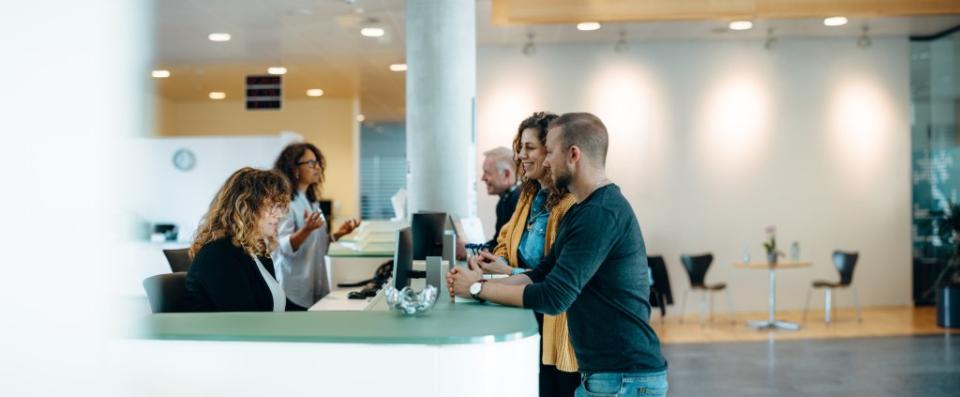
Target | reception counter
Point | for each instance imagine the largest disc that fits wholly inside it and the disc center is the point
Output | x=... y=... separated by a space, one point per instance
x=462 y=349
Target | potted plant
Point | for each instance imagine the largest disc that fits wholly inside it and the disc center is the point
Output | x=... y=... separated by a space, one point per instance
x=771 y=245
x=947 y=284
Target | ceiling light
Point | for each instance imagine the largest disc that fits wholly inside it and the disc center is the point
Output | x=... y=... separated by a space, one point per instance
x=864 y=40
x=219 y=37
x=741 y=25
x=314 y=92
x=217 y=95
x=771 y=40
x=398 y=67
x=621 y=44
x=277 y=70
x=360 y=118
x=371 y=32
x=587 y=26
x=529 y=48
x=160 y=74
x=835 y=21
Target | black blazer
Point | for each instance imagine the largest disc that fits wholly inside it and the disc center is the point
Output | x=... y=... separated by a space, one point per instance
x=224 y=278
x=505 y=207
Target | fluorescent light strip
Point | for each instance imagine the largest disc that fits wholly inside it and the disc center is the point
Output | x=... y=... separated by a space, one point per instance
x=160 y=74
x=588 y=26
x=371 y=32
x=219 y=37
x=835 y=21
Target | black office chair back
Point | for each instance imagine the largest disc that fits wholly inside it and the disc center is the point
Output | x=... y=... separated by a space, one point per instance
x=696 y=267
x=179 y=259
x=166 y=291
x=661 y=279
x=845 y=263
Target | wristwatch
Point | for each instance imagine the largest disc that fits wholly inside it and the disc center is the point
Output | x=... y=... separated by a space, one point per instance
x=475 y=289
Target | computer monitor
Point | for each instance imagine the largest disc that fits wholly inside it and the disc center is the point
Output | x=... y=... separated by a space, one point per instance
x=403 y=259
x=428 y=228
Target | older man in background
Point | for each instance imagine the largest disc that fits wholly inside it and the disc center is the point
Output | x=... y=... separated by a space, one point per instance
x=500 y=176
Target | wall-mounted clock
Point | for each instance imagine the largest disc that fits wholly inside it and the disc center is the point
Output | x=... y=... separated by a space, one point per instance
x=184 y=159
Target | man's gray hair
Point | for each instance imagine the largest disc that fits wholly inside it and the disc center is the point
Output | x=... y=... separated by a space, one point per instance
x=502 y=158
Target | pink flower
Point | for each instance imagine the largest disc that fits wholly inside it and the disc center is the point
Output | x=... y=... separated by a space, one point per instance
x=771 y=230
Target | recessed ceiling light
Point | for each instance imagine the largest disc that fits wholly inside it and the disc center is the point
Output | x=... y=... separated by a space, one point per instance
x=587 y=26
x=371 y=32
x=360 y=118
x=160 y=74
x=277 y=70
x=219 y=37
x=835 y=21
x=398 y=67
x=217 y=95
x=314 y=92
x=741 y=25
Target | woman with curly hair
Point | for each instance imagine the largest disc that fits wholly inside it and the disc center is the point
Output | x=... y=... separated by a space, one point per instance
x=232 y=269
x=526 y=237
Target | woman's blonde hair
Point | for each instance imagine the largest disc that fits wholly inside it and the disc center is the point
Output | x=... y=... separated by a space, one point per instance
x=235 y=211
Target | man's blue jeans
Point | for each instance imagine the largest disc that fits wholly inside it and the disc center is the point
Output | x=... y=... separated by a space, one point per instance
x=623 y=384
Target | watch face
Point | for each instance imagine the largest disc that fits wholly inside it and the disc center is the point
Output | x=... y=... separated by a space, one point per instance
x=184 y=160
x=475 y=288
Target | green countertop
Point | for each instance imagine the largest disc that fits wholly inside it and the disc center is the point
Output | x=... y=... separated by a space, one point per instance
x=445 y=324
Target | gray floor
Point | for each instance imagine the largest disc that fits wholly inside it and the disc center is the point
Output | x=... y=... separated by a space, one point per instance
x=888 y=366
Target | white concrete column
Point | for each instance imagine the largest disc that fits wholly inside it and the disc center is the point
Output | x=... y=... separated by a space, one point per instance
x=441 y=92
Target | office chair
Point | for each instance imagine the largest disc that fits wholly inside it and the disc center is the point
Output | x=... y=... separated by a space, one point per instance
x=845 y=262
x=696 y=267
x=165 y=292
x=179 y=259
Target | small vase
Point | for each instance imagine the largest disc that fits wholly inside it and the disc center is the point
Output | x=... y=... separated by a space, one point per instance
x=772 y=258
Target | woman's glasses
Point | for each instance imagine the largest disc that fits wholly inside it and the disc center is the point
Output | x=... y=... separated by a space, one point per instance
x=310 y=163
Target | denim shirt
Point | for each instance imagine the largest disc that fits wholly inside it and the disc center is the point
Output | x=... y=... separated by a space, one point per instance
x=530 y=251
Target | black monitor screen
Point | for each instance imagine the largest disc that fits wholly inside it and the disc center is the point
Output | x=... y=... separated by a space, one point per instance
x=428 y=230
x=402 y=259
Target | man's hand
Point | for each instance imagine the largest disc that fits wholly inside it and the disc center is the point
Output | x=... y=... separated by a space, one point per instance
x=459 y=279
x=491 y=264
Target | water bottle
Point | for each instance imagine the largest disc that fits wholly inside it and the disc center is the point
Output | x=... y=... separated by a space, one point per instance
x=746 y=255
x=795 y=251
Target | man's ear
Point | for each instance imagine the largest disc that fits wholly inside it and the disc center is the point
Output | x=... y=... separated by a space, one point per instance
x=575 y=154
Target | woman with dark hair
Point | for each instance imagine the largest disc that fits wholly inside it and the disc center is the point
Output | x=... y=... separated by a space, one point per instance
x=231 y=269
x=303 y=239
x=526 y=237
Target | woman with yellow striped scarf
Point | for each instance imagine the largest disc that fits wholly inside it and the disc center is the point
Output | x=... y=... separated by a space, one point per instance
x=524 y=240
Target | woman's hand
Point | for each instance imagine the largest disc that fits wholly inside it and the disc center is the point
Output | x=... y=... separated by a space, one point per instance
x=346 y=228
x=491 y=264
x=312 y=220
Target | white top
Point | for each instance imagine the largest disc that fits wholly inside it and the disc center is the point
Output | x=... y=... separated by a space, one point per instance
x=279 y=298
x=302 y=273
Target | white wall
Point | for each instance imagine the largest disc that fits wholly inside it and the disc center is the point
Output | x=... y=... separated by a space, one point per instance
x=712 y=141
x=165 y=194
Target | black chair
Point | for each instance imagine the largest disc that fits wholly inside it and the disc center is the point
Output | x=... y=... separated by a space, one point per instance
x=845 y=262
x=179 y=259
x=660 y=293
x=165 y=292
x=696 y=267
